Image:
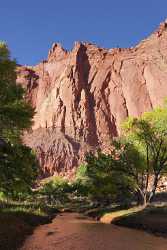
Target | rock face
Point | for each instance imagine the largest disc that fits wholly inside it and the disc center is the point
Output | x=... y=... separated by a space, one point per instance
x=82 y=96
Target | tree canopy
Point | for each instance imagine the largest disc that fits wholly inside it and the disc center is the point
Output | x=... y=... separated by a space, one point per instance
x=15 y=114
x=17 y=162
x=148 y=134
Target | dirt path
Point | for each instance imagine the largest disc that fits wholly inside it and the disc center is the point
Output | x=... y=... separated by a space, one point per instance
x=75 y=232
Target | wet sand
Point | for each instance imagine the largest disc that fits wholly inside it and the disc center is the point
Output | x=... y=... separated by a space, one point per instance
x=69 y=231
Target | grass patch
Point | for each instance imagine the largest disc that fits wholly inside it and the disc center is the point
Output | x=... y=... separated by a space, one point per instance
x=152 y=219
x=117 y=213
x=101 y=211
x=17 y=221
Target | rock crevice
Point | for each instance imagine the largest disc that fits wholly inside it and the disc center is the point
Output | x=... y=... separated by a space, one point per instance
x=82 y=96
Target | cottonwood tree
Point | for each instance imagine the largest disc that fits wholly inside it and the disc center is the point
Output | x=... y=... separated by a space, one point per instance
x=147 y=136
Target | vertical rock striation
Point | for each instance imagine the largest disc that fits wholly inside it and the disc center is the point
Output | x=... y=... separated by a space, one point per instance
x=82 y=96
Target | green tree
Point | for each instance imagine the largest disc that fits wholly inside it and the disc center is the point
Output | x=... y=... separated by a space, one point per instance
x=104 y=182
x=17 y=162
x=15 y=114
x=18 y=169
x=81 y=185
x=148 y=136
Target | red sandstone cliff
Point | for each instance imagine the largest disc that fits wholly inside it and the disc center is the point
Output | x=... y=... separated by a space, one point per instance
x=82 y=96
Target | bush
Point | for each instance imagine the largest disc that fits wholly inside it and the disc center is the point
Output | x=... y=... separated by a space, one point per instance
x=56 y=190
x=99 y=181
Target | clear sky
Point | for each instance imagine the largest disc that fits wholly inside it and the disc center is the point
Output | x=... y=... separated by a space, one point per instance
x=31 y=26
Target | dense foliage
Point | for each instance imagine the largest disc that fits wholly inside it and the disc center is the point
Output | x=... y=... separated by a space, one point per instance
x=55 y=190
x=102 y=182
x=148 y=135
x=15 y=114
x=17 y=162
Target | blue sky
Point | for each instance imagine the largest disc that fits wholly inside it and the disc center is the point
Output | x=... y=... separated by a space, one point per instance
x=30 y=27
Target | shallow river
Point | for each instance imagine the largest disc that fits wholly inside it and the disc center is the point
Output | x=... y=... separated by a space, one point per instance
x=76 y=232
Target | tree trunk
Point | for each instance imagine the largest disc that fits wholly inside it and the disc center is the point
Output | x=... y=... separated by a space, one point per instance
x=152 y=194
x=142 y=198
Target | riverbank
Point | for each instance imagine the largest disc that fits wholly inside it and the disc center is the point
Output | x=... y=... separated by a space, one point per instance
x=19 y=221
x=152 y=219
x=76 y=231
